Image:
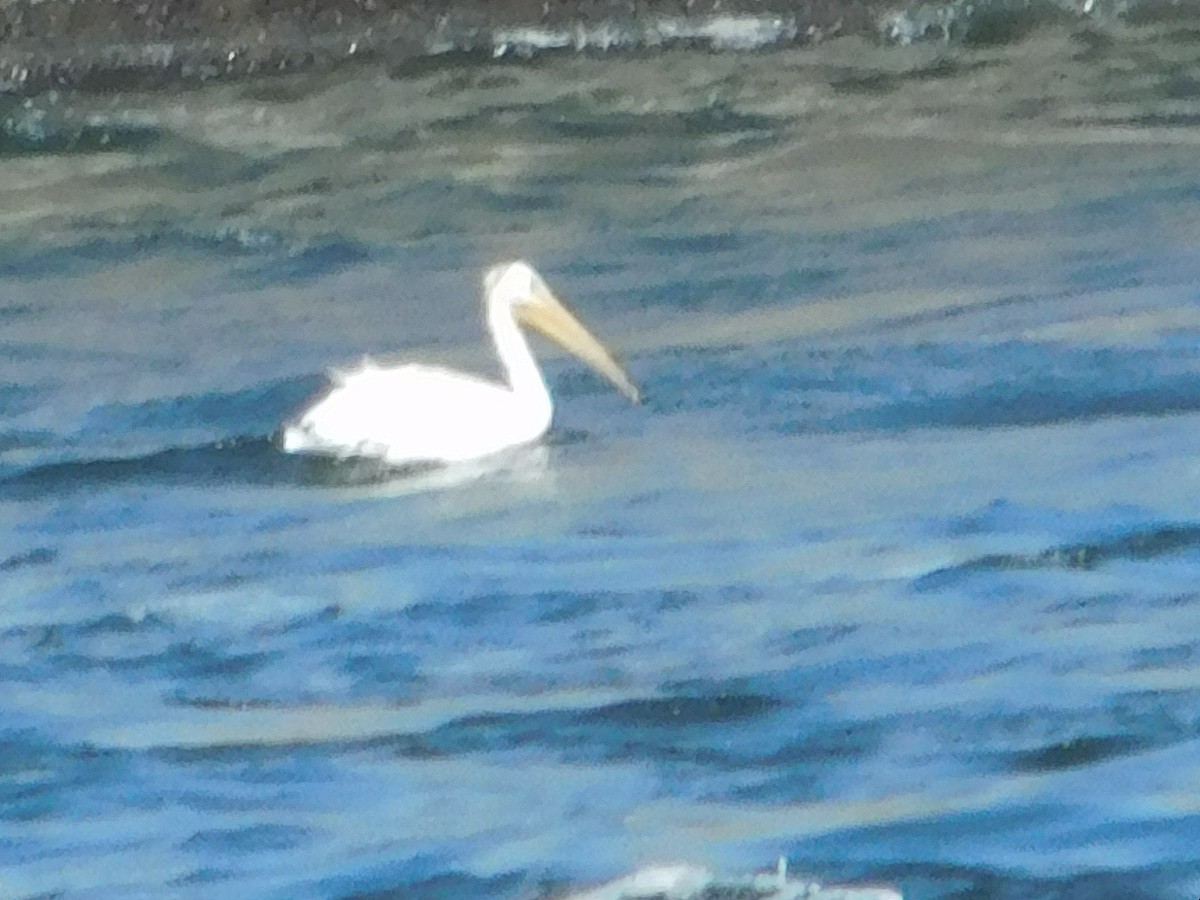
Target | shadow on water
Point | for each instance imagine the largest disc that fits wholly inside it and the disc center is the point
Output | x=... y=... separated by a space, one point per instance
x=258 y=461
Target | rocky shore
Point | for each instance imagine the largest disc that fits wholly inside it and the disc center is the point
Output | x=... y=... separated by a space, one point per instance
x=112 y=44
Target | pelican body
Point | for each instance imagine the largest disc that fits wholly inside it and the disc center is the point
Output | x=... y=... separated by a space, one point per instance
x=416 y=413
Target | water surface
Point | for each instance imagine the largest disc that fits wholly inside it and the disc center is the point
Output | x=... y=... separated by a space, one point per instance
x=893 y=574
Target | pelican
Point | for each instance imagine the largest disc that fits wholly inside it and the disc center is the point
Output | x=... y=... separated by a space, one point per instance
x=415 y=413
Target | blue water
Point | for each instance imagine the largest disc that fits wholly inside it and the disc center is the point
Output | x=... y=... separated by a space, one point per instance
x=893 y=574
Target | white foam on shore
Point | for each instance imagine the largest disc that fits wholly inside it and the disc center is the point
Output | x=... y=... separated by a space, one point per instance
x=683 y=881
x=732 y=32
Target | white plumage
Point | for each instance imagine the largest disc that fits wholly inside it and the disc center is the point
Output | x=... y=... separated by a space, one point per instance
x=415 y=413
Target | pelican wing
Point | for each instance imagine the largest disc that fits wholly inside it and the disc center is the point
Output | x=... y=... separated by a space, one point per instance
x=409 y=413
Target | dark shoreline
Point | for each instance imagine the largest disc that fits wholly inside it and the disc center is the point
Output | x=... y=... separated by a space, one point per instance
x=117 y=44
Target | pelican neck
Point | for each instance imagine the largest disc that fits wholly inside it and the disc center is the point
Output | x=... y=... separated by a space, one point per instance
x=516 y=356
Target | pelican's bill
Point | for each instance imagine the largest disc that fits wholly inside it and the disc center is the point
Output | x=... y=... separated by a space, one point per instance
x=548 y=315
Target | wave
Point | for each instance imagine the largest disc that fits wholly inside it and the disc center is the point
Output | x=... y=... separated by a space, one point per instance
x=264 y=256
x=34 y=129
x=1141 y=545
x=793 y=389
x=247 y=460
x=201 y=437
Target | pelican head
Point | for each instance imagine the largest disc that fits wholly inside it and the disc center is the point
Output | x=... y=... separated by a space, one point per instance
x=518 y=287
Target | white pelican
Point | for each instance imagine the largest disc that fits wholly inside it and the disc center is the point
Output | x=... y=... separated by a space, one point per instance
x=420 y=414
